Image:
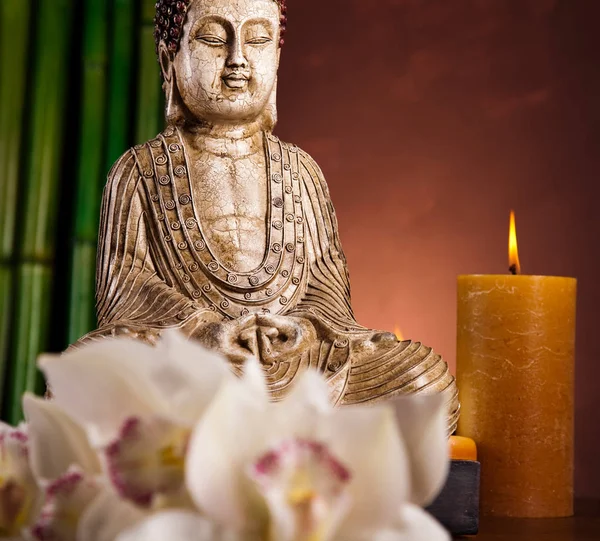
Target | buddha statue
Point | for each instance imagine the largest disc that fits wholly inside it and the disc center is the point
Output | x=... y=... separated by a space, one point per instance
x=218 y=228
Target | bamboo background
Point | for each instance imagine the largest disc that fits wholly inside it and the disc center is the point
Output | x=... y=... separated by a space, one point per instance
x=79 y=84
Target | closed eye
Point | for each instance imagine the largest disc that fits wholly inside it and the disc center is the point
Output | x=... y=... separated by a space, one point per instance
x=211 y=40
x=258 y=41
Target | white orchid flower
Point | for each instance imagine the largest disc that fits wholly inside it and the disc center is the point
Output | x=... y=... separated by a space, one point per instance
x=69 y=471
x=39 y=499
x=20 y=496
x=138 y=405
x=301 y=470
x=353 y=473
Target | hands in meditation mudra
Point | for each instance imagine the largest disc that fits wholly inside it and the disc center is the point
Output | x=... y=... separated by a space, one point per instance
x=218 y=228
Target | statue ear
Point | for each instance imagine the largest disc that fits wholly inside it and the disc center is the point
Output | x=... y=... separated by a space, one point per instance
x=270 y=116
x=165 y=61
x=271 y=110
x=174 y=110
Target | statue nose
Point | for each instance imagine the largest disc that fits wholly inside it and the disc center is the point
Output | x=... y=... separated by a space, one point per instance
x=236 y=58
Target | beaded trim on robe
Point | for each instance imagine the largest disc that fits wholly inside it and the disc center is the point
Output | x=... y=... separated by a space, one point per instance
x=278 y=280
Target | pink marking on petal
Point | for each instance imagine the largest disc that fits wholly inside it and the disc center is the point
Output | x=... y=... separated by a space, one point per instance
x=42 y=532
x=64 y=485
x=18 y=435
x=137 y=447
x=342 y=473
x=130 y=427
x=66 y=499
x=321 y=451
x=267 y=463
x=123 y=487
x=271 y=461
x=128 y=432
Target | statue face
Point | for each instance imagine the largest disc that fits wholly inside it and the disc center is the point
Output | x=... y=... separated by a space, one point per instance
x=226 y=67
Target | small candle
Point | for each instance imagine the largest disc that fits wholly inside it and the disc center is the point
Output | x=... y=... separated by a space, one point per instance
x=462 y=448
x=515 y=374
x=399 y=334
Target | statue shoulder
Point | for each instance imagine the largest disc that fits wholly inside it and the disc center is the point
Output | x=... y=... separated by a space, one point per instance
x=308 y=165
x=124 y=170
x=310 y=170
x=133 y=165
x=306 y=160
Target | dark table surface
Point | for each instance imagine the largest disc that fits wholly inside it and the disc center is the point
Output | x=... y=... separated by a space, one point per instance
x=584 y=526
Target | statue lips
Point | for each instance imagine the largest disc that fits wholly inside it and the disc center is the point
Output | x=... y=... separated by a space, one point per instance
x=236 y=80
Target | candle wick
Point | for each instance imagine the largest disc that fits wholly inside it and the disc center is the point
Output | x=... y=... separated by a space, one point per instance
x=513 y=269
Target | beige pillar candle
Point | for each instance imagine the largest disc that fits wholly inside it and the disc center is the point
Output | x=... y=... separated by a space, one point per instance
x=515 y=374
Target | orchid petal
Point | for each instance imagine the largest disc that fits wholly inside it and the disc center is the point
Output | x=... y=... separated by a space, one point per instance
x=172 y=525
x=422 y=423
x=106 y=517
x=305 y=488
x=147 y=460
x=367 y=442
x=55 y=441
x=414 y=524
x=20 y=495
x=66 y=499
x=227 y=439
x=187 y=375
x=299 y=413
x=103 y=383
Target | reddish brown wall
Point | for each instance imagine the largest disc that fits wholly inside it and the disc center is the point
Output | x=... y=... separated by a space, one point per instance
x=431 y=119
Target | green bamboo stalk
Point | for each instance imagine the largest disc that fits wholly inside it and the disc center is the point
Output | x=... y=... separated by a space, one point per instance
x=34 y=291
x=7 y=280
x=81 y=317
x=120 y=79
x=149 y=111
x=14 y=34
x=37 y=245
x=14 y=22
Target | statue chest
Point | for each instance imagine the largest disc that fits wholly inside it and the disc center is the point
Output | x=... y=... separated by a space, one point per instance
x=229 y=234
x=230 y=197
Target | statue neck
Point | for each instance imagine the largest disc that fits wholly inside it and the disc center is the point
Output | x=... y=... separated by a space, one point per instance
x=233 y=140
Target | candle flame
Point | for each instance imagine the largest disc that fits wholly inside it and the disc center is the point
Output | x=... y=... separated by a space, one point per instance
x=513 y=251
x=398 y=334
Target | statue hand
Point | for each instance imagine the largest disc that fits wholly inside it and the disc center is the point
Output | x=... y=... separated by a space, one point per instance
x=279 y=337
x=267 y=337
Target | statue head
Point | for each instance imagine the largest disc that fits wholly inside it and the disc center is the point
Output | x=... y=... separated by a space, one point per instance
x=219 y=59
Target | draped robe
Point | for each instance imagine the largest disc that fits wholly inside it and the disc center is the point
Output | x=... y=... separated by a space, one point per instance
x=156 y=270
